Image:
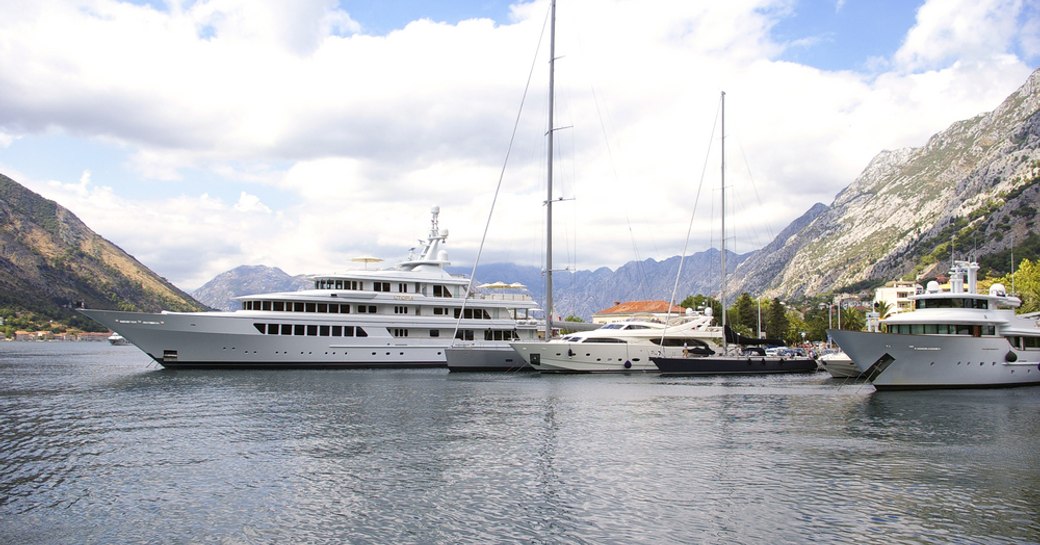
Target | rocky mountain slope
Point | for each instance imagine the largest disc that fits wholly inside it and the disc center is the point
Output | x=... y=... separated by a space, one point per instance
x=50 y=261
x=973 y=186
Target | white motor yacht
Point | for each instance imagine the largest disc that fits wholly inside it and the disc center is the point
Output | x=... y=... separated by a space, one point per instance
x=952 y=339
x=623 y=346
x=839 y=365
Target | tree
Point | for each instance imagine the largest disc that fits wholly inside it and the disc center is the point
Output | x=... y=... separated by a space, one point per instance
x=701 y=302
x=745 y=313
x=776 y=320
x=817 y=320
x=853 y=319
x=1026 y=283
x=883 y=309
x=572 y=318
x=796 y=326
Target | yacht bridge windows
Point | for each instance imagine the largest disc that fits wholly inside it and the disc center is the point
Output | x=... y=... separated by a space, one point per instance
x=952 y=302
x=974 y=330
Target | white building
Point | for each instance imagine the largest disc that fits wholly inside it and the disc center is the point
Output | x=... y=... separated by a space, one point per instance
x=897 y=295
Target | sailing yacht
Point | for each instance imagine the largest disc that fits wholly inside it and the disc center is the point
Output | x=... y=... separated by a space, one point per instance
x=405 y=316
x=730 y=363
x=499 y=356
x=952 y=339
x=617 y=347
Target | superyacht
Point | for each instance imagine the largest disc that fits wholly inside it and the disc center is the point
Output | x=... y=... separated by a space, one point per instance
x=405 y=316
x=952 y=339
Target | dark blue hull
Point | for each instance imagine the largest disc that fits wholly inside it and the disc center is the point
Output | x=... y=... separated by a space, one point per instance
x=734 y=365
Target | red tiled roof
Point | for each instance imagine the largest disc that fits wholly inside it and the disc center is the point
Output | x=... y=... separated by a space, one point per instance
x=633 y=307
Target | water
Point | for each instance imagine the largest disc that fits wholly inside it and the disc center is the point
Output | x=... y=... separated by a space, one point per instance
x=98 y=445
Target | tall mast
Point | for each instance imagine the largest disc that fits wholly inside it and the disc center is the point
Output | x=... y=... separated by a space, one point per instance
x=725 y=344
x=549 y=177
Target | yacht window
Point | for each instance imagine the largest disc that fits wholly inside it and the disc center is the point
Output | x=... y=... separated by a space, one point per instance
x=312 y=330
x=323 y=307
x=337 y=331
x=278 y=306
x=286 y=329
x=266 y=305
x=323 y=331
x=262 y=328
x=297 y=307
x=380 y=286
x=435 y=333
x=402 y=288
x=605 y=340
x=464 y=335
x=358 y=332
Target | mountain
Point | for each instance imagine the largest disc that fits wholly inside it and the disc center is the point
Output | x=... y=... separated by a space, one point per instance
x=972 y=188
x=580 y=293
x=220 y=292
x=50 y=261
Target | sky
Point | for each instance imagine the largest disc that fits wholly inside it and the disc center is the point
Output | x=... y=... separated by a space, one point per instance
x=200 y=136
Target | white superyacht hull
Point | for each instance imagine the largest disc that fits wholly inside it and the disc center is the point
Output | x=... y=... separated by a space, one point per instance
x=896 y=361
x=485 y=357
x=230 y=340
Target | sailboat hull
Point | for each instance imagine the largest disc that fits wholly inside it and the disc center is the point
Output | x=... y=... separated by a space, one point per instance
x=730 y=365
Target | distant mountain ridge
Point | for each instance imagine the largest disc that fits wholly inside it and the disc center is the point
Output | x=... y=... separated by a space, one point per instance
x=580 y=293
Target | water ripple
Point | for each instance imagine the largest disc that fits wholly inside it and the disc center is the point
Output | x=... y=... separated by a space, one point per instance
x=97 y=446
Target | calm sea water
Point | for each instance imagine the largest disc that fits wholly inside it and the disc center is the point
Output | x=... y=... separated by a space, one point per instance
x=98 y=445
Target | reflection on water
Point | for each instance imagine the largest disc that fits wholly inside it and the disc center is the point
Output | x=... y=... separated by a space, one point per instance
x=99 y=446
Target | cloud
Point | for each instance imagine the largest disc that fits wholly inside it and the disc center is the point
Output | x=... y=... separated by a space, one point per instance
x=966 y=31
x=279 y=133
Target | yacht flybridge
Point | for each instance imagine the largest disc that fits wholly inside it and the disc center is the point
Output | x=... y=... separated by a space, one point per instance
x=405 y=316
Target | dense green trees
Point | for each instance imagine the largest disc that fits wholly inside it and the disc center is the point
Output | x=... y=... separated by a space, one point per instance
x=1026 y=284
